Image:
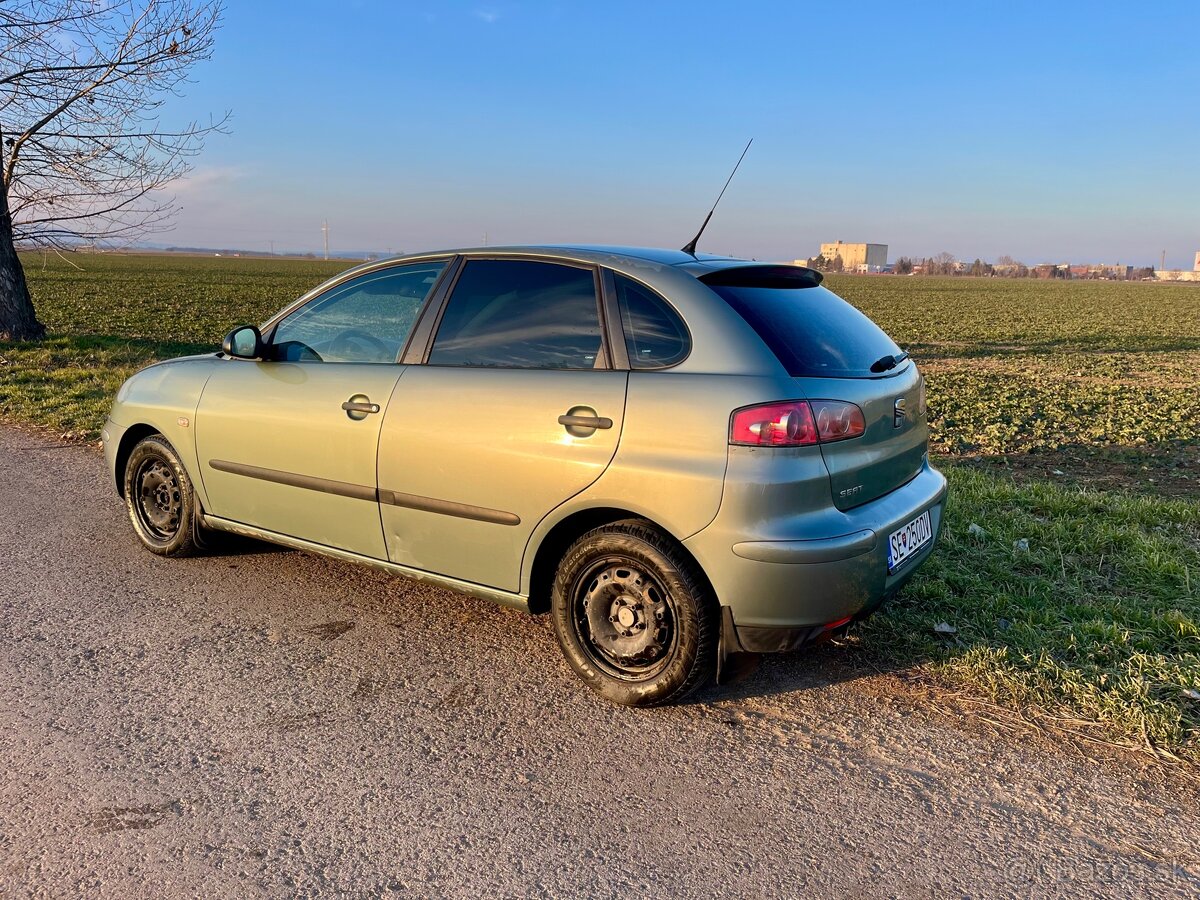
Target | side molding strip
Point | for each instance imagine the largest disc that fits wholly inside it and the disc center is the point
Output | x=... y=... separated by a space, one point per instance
x=362 y=492
x=324 y=485
x=449 y=508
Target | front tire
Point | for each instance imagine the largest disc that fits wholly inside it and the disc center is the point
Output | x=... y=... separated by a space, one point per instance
x=634 y=616
x=160 y=499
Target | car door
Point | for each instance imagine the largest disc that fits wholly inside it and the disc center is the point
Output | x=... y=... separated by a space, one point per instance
x=515 y=409
x=289 y=443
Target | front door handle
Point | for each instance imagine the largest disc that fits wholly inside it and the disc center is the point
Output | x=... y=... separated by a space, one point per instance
x=360 y=406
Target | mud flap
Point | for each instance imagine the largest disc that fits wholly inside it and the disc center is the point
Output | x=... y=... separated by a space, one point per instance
x=733 y=662
x=200 y=535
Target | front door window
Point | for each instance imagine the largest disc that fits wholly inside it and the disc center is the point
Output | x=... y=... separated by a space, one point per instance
x=364 y=320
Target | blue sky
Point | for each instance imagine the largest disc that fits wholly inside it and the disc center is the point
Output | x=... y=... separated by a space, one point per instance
x=1047 y=131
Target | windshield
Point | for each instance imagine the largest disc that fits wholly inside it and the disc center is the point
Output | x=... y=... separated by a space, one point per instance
x=812 y=331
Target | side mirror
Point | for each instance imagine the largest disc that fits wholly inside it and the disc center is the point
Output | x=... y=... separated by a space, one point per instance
x=244 y=342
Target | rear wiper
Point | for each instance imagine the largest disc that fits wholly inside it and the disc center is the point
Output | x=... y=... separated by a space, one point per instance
x=886 y=363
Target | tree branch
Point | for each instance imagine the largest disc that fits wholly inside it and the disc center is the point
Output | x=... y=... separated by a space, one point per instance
x=80 y=87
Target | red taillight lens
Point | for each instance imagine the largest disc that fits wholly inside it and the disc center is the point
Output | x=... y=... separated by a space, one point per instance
x=797 y=423
x=774 y=425
x=837 y=420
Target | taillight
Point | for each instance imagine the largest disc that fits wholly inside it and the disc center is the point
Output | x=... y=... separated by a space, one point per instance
x=837 y=421
x=921 y=398
x=774 y=425
x=797 y=423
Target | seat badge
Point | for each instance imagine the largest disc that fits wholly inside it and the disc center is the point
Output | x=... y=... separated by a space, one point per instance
x=898 y=414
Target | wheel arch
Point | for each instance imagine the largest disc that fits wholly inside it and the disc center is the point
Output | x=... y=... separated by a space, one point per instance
x=133 y=435
x=552 y=546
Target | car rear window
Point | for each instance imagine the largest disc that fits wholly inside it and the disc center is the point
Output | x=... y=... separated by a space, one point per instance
x=812 y=331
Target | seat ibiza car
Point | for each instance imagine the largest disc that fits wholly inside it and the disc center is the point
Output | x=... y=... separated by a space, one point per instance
x=677 y=457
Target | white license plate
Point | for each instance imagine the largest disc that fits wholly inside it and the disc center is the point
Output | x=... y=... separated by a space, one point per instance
x=902 y=544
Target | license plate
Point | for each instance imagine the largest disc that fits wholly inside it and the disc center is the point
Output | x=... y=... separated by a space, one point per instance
x=903 y=543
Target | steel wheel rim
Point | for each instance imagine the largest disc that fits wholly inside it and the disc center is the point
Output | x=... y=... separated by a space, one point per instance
x=158 y=499
x=624 y=619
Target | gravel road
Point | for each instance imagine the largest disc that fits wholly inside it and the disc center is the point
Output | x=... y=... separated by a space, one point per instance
x=268 y=723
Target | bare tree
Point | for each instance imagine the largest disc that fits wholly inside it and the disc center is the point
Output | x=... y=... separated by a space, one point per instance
x=944 y=263
x=82 y=151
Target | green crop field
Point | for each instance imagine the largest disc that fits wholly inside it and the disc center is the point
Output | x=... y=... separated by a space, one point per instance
x=1066 y=415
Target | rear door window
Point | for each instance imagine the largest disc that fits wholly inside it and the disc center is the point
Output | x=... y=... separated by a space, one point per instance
x=655 y=336
x=521 y=314
x=811 y=330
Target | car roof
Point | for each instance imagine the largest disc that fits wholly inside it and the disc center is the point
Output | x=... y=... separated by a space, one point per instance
x=697 y=264
x=654 y=254
x=599 y=254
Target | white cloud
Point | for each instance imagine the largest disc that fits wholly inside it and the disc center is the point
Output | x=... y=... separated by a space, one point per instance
x=204 y=178
x=487 y=15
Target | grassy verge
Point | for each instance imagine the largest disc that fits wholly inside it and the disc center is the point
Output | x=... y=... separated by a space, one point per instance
x=1098 y=621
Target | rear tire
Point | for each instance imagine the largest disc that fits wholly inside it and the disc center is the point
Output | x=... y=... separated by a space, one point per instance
x=634 y=616
x=160 y=499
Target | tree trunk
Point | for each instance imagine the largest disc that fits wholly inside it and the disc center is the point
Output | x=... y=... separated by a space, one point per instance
x=18 y=321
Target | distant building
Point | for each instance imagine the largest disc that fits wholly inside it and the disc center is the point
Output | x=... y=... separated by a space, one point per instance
x=1010 y=269
x=857 y=257
x=1051 y=270
x=1179 y=274
x=1111 y=272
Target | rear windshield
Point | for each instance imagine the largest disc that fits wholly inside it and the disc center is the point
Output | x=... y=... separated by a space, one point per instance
x=811 y=330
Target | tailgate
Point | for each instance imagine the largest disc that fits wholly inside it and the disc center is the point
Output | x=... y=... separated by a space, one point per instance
x=891 y=450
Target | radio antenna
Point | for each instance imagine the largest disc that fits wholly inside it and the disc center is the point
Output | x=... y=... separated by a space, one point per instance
x=690 y=246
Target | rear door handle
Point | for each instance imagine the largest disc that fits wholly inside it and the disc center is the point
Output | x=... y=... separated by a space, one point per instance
x=585 y=421
x=359 y=406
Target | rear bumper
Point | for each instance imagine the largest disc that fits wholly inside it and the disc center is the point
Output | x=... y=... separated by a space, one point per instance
x=751 y=639
x=822 y=550
x=783 y=590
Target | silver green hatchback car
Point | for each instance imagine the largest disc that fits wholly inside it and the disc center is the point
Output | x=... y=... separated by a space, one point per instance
x=678 y=457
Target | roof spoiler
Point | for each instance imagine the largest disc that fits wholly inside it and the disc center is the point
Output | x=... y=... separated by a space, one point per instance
x=763 y=277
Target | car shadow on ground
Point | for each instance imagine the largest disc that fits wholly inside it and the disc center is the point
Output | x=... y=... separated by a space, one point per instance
x=745 y=675
x=818 y=665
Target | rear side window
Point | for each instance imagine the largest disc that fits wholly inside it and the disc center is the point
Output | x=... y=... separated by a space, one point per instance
x=655 y=336
x=811 y=330
x=523 y=315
